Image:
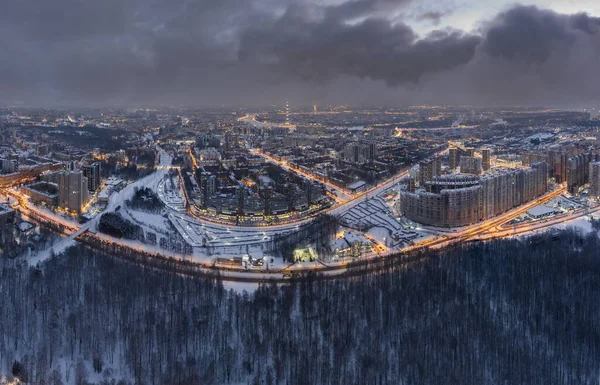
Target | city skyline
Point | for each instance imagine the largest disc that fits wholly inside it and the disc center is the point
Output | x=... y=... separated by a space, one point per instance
x=322 y=192
x=208 y=53
x=265 y=202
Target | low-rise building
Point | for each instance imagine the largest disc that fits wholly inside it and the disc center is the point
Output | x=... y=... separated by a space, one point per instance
x=42 y=192
x=350 y=244
x=7 y=214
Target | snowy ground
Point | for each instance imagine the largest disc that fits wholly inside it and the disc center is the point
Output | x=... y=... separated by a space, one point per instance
x=241 y=286
x=198 y=233
x=563 y=203
x=172 y=198
x=582 y=223
x=369 y=213
x=213 y=242
x=118 y=198
x=155 y=221
x=150 y=223
x=375 y=217
x=57 y=248
x=164 y=158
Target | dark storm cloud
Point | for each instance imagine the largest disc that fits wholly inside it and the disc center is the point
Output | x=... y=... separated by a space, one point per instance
x=433 y=16
x=531 y=34
x=362 y=8
x=324 y=48
x=199 y=52
x=530 y=55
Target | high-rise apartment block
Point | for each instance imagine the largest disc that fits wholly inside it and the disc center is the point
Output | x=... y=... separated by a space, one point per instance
x=595 y=179
x=429 y=168
x=558 y=163
x=360 y=153
x=92 y=173
x=471 y=165
x=578 y=170
x=208 y=187
x=486 y=159
x=453 y=158
x=72 y=191
x=461 y=200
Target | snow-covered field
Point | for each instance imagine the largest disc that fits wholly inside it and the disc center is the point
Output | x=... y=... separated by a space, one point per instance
x=198 y=233
x=563 y=203
x=118 y=198
x=164 y=158
x=582 y=223
x=173 y=198
x=155 y=221
x=370 y=213
x=57 y=248
x=375 y=217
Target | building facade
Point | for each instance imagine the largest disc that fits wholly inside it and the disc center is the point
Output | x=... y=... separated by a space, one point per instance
x=486 y=159
x=471 y=165
x=578 y=168
x=461 y=200
x=42 y=192
x=428 y=169
x=72 y=191
x=595 y=179
x=6 y=214
x=453 y=158
x=92 y=173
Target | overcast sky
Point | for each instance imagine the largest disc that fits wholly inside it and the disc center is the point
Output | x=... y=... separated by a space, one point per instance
x=259 y=52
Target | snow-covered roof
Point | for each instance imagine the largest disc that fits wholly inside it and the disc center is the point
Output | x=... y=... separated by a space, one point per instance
x=265 y=180
x=352 y=238
x=105 y=193
x=112 y=181
x=4 y=209
x=339 y=244
x=542 y=210
x=355 y=185
x=24 y=226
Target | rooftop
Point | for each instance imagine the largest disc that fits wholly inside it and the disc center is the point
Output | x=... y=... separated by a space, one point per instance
x=4 y=209
x=542 y=210
x=355 y=185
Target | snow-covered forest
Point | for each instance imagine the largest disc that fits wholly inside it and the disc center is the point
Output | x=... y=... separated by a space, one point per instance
x=502 y=312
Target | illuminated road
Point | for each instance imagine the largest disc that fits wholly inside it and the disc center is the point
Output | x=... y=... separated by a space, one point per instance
x=490 y=225
x=486 y=230
x=342 y=195
x=490 y=229
x=251 y=119
x=356 y=197
x=344 y=199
